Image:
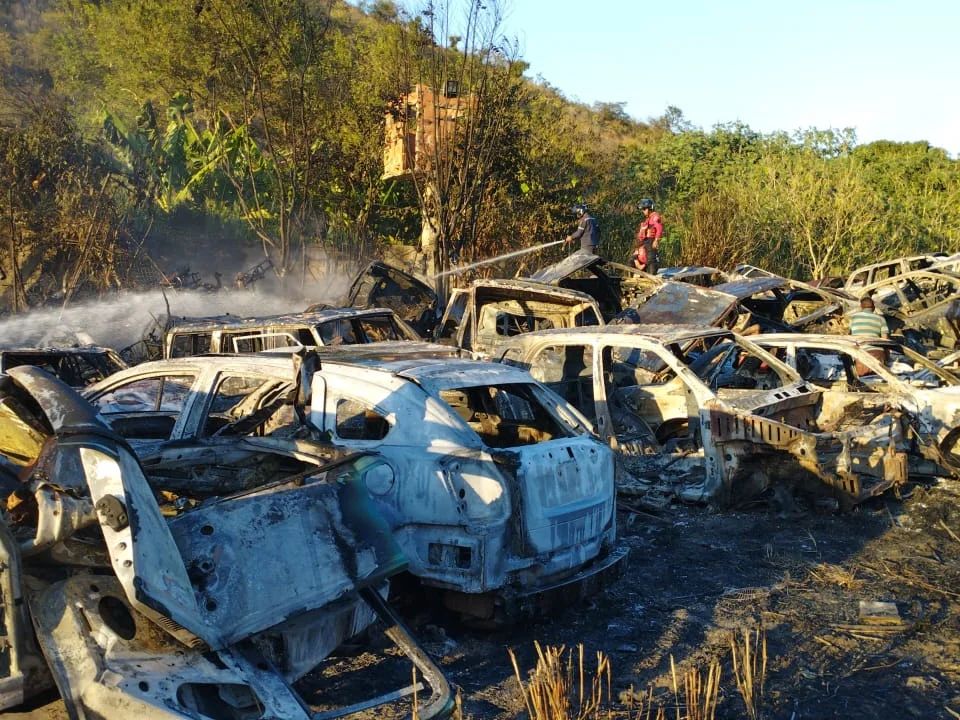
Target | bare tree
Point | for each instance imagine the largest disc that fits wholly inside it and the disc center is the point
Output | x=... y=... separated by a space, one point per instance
x=459 y=80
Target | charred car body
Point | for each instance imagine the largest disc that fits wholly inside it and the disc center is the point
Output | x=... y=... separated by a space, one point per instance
x=478 y=319
x=614 y=286
x=750 y=305
x=497 y=490
x=705 y=407
x=922 y=306
x=330 y=326
x=156 y=601
x=858 y=372
x=76 y=366
x=881 y=271
x=385 y=286
x=777 y=304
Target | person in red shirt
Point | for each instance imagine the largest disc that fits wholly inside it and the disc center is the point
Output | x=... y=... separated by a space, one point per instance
x=648 y=239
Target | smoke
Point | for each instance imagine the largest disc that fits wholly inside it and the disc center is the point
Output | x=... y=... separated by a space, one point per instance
x=120 y=320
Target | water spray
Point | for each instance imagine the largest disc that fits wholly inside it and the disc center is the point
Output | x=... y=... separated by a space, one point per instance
x=498 y=258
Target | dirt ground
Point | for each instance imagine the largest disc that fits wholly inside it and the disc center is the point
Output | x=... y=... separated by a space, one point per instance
x=695 y=576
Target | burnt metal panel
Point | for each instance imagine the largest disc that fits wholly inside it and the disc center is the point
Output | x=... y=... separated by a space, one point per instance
x=746 y=287
x=553 y=274
x=679 y=303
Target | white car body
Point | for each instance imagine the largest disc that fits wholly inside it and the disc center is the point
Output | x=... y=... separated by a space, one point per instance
x=150 y=609
x=481 y=503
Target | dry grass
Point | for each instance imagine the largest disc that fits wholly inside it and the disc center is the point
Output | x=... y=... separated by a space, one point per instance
x=949 y=531
x=827 y=574
x=749 y=656
x=562 y=688
x=699 y=694
x=644 y=707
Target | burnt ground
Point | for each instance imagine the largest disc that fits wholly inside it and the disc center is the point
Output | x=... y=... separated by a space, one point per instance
x=694 y=576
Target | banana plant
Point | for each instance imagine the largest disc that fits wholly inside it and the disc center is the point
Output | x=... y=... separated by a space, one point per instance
x=181 y=164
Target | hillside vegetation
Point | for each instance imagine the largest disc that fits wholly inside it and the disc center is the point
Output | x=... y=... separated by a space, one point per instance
x=140 y=136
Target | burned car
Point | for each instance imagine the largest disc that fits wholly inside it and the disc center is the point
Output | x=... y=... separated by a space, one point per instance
x=498 y=493
x=714 y=416
x=749 y=306
x=858 y=372
x=330 y=326
x=921 y=306
x=478 y=319
x=139 y=599
x=77 y=366
x=411 y=298
x=777 y=304
x=881 y=271
x=613 y=285
x=166 y=401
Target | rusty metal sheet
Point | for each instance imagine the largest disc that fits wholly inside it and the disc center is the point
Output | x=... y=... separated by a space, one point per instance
x=679 y=303
x=553 y=274
x=529 y=290
x=744 y=288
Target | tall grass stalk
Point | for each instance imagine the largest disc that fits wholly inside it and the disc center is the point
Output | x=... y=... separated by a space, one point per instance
x=561 y=687
x=749 y=655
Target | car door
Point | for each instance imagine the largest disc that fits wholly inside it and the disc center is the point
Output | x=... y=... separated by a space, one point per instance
x=245 y=404
x=147 y=410
x=455 y=325
x=641 y=397
x=568 y=371
x=850 y=396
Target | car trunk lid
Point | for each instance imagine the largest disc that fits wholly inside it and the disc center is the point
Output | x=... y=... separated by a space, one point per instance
x=566 y=492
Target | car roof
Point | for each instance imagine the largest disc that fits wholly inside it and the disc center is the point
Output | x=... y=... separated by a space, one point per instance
x=682 y=271
x=818 y=339
x=665 y=334
x=71 y=350
x=895 y=261
x=745 y=287
x=384 y=350
x=535 y=287
x=272 y=362
x=928 y=273
x=303 y=318
x=433 y=374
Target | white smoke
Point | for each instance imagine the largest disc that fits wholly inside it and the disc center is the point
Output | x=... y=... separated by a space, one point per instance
x=120 y=320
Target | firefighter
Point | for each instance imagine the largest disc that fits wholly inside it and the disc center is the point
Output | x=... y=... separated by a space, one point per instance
x=587 y=232
x=645 y=256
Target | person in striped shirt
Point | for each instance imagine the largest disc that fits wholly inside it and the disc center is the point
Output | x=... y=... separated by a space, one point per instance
x=867 y=322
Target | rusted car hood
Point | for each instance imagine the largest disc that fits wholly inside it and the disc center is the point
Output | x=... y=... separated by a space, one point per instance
x=553 y=274
x=678 y=303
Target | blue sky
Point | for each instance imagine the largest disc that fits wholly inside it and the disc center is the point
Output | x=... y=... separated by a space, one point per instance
x=886 y=69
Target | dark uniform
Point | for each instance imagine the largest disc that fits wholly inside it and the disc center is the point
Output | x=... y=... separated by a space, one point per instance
x=588 y=233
